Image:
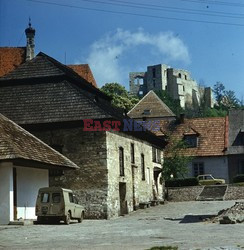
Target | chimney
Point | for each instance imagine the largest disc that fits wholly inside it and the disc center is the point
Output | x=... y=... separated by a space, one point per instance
x=30 y=45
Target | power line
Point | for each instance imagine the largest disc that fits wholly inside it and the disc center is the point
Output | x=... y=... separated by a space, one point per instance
x=167 y=9
x=135 y=14
x=215 y=3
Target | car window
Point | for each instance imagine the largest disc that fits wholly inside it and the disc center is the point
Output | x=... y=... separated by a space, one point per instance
x=209 y=177
x=45 y=197
x=71 y=198
x=56 y=197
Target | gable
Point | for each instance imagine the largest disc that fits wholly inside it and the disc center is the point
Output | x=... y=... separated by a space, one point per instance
x=150 y=106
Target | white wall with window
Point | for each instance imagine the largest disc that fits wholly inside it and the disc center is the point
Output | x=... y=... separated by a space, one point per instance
x=216 y=165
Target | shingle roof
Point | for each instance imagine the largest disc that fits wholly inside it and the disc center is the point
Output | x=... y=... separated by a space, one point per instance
x=150 y=106
x=11 y=58
x=17 y=143
x=48 y=102
x=84 y=71
x=211 y=134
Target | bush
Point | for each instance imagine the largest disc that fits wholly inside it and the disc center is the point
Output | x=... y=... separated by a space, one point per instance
x=182 y=182
x=238 y=178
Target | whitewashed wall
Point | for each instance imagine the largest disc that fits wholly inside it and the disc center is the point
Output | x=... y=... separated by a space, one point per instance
x=6 y=193
x=29 y=180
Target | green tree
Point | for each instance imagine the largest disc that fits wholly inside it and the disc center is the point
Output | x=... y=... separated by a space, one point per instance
x=120 y=96
x=175 y=163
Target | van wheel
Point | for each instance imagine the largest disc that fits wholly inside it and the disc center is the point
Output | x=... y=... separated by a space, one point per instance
x=67 y=219
x=81 y=218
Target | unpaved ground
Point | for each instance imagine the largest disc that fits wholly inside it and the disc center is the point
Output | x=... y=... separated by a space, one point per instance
x=175 y=224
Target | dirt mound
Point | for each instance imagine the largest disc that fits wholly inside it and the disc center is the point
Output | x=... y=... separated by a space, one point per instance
x=232 y=215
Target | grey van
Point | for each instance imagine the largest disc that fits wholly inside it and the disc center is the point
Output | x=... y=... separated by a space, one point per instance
x=55 y=203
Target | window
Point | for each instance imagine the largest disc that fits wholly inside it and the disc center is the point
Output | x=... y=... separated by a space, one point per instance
x=198 y=168
x=146 y=112
x=121 y=162
x=183 y=88
x=132 y=152
x=71 y=198
x=154 y=154
x=148 y=175
x=45 y=197
x=154 y=72
x=185 y=77
x=56 y=197
x=179 y=75
x=142 y=167
x=191 y=141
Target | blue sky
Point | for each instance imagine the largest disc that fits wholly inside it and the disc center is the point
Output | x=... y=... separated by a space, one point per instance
x=115 y=43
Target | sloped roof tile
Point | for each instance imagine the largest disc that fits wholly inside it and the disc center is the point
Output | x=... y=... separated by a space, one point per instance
x=17 y=143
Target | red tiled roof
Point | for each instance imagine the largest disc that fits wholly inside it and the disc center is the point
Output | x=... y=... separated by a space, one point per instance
x=211 y=134
x=84 y=71
x=11 y=58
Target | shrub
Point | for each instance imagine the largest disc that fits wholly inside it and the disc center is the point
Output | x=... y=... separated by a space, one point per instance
x=182 y=182
x=238 y=178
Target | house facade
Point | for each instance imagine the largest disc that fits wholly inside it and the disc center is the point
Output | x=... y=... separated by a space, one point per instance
x=53 y=102
x=236 y=143
x=25 y=162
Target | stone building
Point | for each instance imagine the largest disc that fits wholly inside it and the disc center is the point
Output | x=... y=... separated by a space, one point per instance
x=118 y=169
x=177 y=82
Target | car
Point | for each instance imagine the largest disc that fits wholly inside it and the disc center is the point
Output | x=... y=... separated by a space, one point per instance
x=56 y=204
x=208 y=179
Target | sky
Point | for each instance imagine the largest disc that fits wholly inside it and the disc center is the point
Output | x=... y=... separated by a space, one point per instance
x=115 y=37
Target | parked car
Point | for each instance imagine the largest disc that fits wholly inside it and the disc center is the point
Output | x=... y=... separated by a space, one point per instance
x=55 y=203
x=208 y=179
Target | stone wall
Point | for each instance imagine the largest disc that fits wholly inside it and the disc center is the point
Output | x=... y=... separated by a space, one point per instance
x=88 y=150
x=137 y=190
x=183 y=193
x=97 y=183
x=234 y=192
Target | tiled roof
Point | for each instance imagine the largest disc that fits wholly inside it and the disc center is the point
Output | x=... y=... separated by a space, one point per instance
x=211 y=133
x=150 y=106
x=11 y=58
x=84 y=71
x=17 y=143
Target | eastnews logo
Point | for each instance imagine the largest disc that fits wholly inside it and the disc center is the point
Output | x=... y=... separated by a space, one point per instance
x=126 y=125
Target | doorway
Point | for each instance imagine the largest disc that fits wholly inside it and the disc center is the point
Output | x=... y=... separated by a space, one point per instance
x=122 y=197
x=15 y=192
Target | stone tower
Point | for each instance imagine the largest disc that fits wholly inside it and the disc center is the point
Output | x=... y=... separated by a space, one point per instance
x=30 y=46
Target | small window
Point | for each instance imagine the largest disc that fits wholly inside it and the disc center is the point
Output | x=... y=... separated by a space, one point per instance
x=198 y=168
x=183 y=88
x=140 y=92
x=71 y=198
x=191 y=141
x=185 y=77
x=158 y=156
x=56 y=197
x=142 y=167
x=132 y=152
x=146 y=112
x=45 y=197
x=76 y=200
x=179 y=75
x=121 y=162
x=154 y=154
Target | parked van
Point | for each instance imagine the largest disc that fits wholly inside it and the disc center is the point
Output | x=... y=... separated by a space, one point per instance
x=58 y=204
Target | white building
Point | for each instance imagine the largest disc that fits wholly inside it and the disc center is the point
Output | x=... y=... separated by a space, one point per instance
x=25 y=162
